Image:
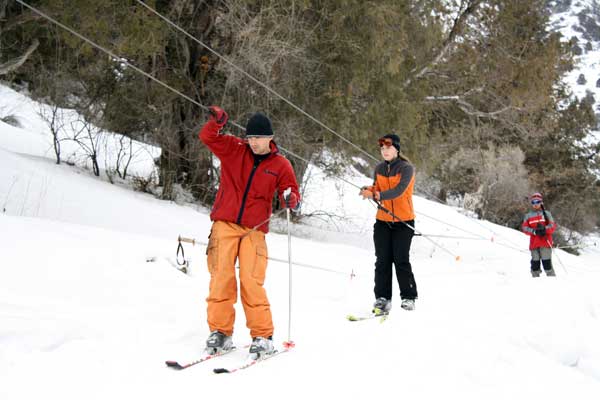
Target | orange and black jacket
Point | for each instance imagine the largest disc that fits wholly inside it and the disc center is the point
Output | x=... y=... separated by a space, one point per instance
x=395 y=181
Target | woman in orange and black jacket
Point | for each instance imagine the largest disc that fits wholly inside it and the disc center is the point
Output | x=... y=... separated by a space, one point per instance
x=394 y=226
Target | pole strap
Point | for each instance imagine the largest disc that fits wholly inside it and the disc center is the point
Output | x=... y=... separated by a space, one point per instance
x=180 y=250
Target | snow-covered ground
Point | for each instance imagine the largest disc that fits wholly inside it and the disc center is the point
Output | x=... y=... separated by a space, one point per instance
x=91 y=305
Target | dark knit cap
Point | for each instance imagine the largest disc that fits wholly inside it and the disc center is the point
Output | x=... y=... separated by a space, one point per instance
x=259 y=125
x=395 y=140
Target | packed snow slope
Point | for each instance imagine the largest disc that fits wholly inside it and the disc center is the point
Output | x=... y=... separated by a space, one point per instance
x=91 y=304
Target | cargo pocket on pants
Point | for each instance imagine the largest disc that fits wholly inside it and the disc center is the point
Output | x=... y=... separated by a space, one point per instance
x=212 y=256
x=260 y=265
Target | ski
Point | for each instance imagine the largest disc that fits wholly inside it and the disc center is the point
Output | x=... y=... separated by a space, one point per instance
x=250 y=363
x=354 y=318
x=178 y=366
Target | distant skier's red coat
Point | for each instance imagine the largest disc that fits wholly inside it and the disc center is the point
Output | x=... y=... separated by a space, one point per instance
x=531 y=221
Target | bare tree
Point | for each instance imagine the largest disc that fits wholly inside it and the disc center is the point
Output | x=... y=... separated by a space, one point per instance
x=124 y=156
x=123 y=150
x=88 y=137
x=54 y=117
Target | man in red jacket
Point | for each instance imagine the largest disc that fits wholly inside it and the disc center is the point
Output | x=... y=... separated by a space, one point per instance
x=539 y=225
x=251 y=172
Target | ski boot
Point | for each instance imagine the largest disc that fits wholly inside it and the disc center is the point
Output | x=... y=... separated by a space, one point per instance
x=261 y=347
x=218 y=342
x=382 y=306
x=408 y=304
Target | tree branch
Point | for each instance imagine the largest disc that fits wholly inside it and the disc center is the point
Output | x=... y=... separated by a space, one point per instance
x=472 y=111
x=13 y=22
x=12 y=65
x=3 y=6
x=457 y=27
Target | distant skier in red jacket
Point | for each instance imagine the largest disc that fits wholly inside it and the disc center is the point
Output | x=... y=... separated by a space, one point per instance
x=539 y=225
x=252 y=170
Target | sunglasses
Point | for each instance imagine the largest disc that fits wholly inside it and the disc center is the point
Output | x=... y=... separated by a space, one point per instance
x=536 y=202
x=385 y=142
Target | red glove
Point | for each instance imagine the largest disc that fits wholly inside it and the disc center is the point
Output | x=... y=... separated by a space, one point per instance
x=218 y=115
x=291 y=200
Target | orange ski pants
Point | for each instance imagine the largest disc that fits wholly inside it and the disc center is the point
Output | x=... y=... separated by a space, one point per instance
x=228 y=242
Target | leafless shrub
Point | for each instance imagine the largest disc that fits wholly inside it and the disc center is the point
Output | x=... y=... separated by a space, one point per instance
x=459 y=173
x=429 y=187
x=491 y=182
x=504 y=183
x=55 y=119
x=117 y=160
x=144 y=184
x=88 y=137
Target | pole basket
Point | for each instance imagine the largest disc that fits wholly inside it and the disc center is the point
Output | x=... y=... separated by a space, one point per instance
x=289 y=345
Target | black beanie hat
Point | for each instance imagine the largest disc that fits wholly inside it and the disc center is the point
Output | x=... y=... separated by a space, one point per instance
x=259 y=125
x=395 y=140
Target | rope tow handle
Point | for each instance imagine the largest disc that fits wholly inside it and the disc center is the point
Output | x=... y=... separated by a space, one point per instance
x=186 y=240
x=180 y=249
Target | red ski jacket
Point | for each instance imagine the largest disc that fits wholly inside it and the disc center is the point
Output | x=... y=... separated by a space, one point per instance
x=531 y=221
x=246 y=191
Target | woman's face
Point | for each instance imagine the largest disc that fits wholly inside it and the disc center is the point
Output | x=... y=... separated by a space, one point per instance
x=388 y=152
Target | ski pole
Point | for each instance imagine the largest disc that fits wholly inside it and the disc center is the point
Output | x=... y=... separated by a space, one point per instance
x=548 y=241
x=556 y=255
x=289 y=342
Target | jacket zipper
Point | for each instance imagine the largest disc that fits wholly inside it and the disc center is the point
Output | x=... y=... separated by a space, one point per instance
x=389 y=187
x=239 y=218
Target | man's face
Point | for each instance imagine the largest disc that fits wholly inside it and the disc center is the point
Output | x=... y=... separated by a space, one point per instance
x=259 y=145
x=537 y=205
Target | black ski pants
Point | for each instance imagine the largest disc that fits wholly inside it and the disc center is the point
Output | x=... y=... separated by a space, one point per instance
x=392 y=246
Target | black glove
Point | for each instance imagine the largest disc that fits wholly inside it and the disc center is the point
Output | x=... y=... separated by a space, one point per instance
x=540 y=230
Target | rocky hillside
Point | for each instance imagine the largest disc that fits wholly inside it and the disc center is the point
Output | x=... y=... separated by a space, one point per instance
x=579 y=23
